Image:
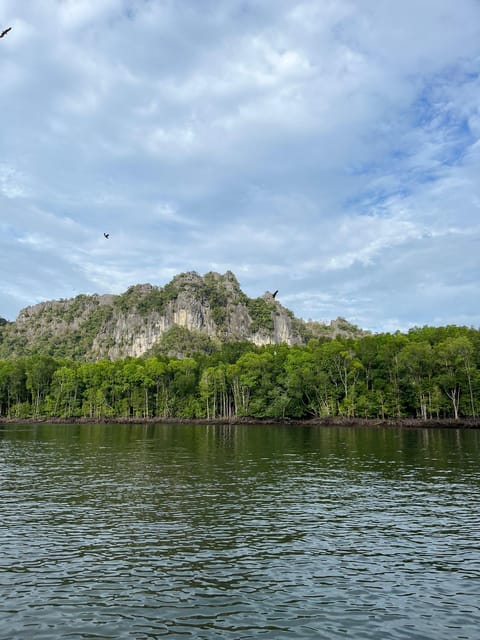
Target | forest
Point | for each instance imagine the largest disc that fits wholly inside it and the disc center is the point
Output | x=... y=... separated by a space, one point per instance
x=426 y=373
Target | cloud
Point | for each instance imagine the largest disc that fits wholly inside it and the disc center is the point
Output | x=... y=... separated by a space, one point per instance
x=330 y=150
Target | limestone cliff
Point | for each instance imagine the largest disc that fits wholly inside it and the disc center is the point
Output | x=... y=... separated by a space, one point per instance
x=137 y=321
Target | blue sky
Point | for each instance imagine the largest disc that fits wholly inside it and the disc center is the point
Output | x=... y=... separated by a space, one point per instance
x=329 y=149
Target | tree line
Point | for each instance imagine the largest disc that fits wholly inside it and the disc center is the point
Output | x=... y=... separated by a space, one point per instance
x=429 y=372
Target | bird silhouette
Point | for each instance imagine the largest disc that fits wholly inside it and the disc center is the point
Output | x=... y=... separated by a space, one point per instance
x=274 y=294
x=5 y=31
x=107 y=235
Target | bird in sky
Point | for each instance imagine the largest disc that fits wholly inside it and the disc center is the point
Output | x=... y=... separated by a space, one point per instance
x=107 y=235
x=274 y=294
x=5 y=31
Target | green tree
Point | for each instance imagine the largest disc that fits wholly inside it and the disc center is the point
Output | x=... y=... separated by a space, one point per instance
x=39 y=371
x=64 y=392
x=387 y=377
x=97 y=380
x=416 y=363
x=184 y=388
x=160 y=374
x=308 y=384
x=454 y=357
x=214 y=392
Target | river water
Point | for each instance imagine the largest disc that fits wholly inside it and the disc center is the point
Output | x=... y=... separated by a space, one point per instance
x=237 y=532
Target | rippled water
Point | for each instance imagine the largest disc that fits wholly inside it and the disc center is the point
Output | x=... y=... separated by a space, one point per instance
x=127 y=531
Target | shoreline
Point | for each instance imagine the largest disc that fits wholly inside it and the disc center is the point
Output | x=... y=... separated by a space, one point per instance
x=410 y=423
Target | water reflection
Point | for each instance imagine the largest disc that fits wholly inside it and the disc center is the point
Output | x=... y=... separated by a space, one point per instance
x=133 y=531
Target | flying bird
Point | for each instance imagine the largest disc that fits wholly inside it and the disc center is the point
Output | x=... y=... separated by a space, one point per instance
x=274 y=294
x=5 y=31
x=107 y=235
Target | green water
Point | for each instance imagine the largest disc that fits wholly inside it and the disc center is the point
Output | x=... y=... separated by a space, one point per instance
x=188 y=531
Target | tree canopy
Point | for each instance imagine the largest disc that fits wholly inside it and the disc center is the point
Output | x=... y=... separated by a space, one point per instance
x=429 y=372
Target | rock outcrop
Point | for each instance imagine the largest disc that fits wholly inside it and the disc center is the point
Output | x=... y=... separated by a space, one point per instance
x=133 y=323
x=90 y=327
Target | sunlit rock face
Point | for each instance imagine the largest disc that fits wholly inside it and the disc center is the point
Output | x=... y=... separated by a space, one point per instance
x=133 y=334
x=195 y=309
x=90 y=327
x=132 y=324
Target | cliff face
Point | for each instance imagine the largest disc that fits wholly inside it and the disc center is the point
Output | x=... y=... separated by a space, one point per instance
x=133 y=323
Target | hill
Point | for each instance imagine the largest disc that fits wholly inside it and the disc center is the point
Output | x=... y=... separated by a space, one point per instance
x=189 y=314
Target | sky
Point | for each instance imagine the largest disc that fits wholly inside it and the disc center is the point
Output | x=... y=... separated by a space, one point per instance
x=329 y=149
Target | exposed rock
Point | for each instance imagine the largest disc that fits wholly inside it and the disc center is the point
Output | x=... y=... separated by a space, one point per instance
x=133 y=323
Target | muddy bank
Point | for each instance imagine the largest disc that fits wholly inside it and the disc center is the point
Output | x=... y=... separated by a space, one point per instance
x=412 y=423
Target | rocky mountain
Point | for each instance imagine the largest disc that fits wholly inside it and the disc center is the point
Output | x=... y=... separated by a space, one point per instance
x=190 y=313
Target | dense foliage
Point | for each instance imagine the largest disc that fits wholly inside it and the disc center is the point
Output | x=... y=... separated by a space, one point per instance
x=427 y=373
x=181 y=342
x=261 y=313
x=146 y=298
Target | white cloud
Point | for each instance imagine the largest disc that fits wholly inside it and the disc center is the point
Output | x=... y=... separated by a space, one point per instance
x=330 y=150
x=12 y=182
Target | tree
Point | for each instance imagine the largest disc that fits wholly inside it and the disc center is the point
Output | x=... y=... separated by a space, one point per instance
x=387 y=377
x=344 y=369
x=98 y=381
x=160 y=374
x=308 y=384
x=256 y=378
x=184 y=388
x=214 y=392
x=64 y=392
x=416 y=366
x=38 y=371
x=454 y=357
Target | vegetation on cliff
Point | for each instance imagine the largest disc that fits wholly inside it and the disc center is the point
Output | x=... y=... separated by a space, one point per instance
x=86 y=328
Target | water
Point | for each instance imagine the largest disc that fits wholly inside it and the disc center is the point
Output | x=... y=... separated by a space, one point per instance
x=188 y=531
